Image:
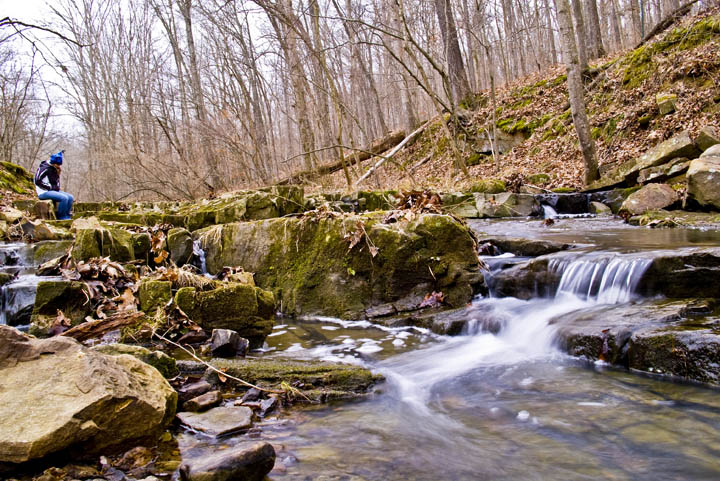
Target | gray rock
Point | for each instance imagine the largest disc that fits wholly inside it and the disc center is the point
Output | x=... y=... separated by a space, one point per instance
x=703 y=176
x=708 y=137
x=506 y=204
x=180 y=245
x=268 y=405
x=681 y=145
x=159 y=360
x=194 y=390
x=650 y=197
x=218 y=421
x=228 y=343
x=664 y=172
x=252 y=394
x=204 y=402
x=526 y=247
x=666 y=102
x=79 y=400
x=598 y=208
x=241 y=462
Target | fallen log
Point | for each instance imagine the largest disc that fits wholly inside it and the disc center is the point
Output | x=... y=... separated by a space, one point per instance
x=394 y=151
x=377 y=147
x=99 y=327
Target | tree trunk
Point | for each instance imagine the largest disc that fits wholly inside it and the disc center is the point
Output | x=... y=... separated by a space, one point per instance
x=456 y=68
x=597 y=50
x=580 y=35
x=575 y=91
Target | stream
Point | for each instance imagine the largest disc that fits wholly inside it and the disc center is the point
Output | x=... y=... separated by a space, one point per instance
x=509 y=404
x=500 y=401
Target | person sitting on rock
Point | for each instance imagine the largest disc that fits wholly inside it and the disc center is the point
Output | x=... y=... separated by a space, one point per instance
x=47 y=185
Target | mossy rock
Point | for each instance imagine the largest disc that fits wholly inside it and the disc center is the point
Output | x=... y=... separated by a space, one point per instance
x=309 y=266
x=15 y=178
x=154 y=295
x=116 y=243
x=243 y=308
x=488 y=186
x=53 y=296
x=378 y=200
x=538 y=179
x=48 y=250
x=345 y=380
x=5 y=278
x=180 y=246
x=165 y=364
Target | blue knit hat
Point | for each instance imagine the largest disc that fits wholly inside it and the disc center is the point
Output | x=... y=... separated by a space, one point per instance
x=57 y=158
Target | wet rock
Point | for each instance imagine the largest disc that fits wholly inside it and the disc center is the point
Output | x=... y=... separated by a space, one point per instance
x=5 y=278
x=598 y=208
x=180 y=245
x=194 y=390
x=154 y=295
x=654 y=336
x=159 y=360
x=526 y=280
x=194 y=337
x=52 y=296
x=218 y=421
x=46 y=251
x=708 y=137
x=650 y=197
x=243 y=461
x=268 y=405
x=307 y=261
x=252 y=394
x=566 y=203
x=3 y=230
x=242 y=308
x=506 y=204
x=79 y=400
x=227 y=343
x=337 y=381
x=613 y=198
x=135 y=458
x=703 y=176
x=526 y=247
x=681 y=145
x=203 y=403
x=686 y=274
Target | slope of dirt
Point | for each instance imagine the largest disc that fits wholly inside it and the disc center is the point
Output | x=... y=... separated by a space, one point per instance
x=622 y=106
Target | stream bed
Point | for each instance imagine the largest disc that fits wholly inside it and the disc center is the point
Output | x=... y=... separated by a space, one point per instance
x=501 y=401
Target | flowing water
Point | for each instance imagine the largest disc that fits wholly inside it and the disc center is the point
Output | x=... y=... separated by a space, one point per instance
x=500 y=401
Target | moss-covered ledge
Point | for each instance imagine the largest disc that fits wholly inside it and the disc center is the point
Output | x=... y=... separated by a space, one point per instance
x=309 y=265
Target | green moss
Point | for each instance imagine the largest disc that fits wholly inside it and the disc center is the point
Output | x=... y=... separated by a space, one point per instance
x=488 y=186
x=564 y=190
x=45 y=251
x=53 y=296
x=154 y=295
x=15 y=178
x=639 y=64
x=538 y=179
x=307 y=375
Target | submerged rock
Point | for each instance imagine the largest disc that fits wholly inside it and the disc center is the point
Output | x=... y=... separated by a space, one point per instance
x=78 y=400
x=310 y=266
x=218 y=421
x=241 y=462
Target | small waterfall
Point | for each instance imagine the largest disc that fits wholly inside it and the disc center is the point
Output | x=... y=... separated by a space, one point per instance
x=605 y=280
x=199 y=257
x=549 y=212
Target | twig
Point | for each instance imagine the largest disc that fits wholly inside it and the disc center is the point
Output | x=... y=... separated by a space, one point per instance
x=213 y=368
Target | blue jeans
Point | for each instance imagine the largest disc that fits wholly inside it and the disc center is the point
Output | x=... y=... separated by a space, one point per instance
x=64 y=201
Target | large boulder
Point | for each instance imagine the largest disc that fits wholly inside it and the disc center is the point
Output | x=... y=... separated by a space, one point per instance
x=506 y=204
x=703 y=176
x=309 y=263
x=180 y=245
x=159 y=360
x=78 y=401
x=248 y=310
x=650 y=197
x=681 y=145
x=153 y=295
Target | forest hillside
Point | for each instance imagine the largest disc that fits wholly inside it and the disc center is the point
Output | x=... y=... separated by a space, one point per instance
x=635 y=100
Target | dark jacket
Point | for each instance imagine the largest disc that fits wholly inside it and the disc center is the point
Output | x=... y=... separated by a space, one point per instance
x=47 y=177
